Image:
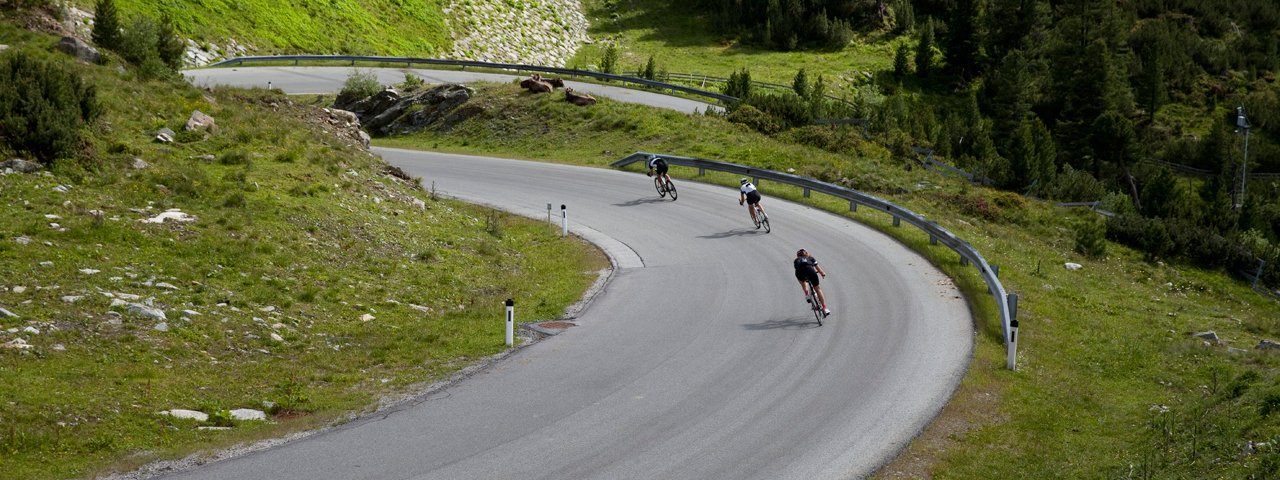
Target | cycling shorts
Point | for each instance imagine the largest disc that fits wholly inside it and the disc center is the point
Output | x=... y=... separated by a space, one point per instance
x=753 y=198
x=660 y=166
x=810 y=275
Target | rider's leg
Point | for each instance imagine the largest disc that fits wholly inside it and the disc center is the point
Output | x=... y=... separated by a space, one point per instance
x=804 y=287
x=751 y=209
x=821 y=299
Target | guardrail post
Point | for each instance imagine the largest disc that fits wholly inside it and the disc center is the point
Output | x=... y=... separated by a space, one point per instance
x=965 y=262
x=702 y=171
x=756 y=181
x=933 y=240
x=897 y=221
x=1258 y=274
x=853 y=206
x=1012 y=362
x=295 y=62
x=806 y=192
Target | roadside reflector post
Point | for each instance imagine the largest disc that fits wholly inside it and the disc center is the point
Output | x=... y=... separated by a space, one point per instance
x=564 y=221
x=1013 y=332
x=511 y=322
x=550 y=223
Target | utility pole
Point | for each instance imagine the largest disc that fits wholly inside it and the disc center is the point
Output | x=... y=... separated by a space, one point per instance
x=1242 y=122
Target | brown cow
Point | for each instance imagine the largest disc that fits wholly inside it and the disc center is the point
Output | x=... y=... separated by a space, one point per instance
x=580 y=99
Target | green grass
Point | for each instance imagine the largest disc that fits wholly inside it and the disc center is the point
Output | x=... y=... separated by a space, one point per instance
x=687 y=43
x=296 y=235
x=1111 y=383
x=361 y=27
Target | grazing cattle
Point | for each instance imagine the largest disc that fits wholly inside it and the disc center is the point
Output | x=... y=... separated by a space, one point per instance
x=536 y=84
x=580 y=99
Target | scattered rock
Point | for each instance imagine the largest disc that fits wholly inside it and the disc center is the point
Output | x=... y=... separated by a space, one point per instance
x=162 y=327
x=58 y=347
x=46 y=263
x=72 y=298
x=7 y=314
x=23 y=240
x=171 y=214
x=165 y=135
x=276 y=336
x=191 y=313
x=61 y=189
x=31 y=330
x=1072 y=266
x=78 y=48
x=89 y=271
x=186 y=414
x=147 y=312
x=248 y=414
x=19 y=165
x=139 y=164
x=268 y=309
x=215 y=429
x=420 y=308
x=366 y=317
x=1268 y=345
x=19 y=289
x=166 y=286
x=1210 y=337
x=17 y=344
x=199 y=121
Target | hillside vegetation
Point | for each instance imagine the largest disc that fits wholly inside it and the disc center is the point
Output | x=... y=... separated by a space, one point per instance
x=306 y=279
x=358 y=27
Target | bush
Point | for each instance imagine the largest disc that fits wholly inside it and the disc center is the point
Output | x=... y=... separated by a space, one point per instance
x=360 y=84
x=1091 y=239
x=106 y=25
x=411 y=82
x=756 y=119
x=43 y=105
x=1075 y=186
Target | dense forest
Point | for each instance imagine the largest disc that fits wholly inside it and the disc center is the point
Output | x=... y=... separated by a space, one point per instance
x=1144 y=105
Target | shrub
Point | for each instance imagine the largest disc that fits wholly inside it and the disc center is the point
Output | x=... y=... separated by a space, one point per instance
x=756 y=119
x=609 y=62
x=1091 y=239
x=360 y=84
x=1075 y=186
x=43 y=105
x=411 y=82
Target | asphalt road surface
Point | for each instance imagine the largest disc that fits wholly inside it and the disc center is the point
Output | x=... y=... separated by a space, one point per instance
x=320 y=80
x=700 y=360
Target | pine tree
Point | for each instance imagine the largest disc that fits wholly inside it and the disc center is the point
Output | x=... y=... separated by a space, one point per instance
x=800 y=84
x=169 y=45
x=106 y=25
x=650 y=69
x=924 y=50
x=964 y=42
x=901 y=61
x=609 y=62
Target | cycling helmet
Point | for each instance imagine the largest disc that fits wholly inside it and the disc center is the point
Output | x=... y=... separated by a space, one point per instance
x=800 y=252
x=742 y=181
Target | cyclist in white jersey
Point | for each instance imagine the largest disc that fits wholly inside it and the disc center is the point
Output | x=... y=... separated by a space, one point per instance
x=751 y=197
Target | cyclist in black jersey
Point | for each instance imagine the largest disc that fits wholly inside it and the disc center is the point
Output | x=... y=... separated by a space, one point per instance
x=657 y=164
x=807 y=270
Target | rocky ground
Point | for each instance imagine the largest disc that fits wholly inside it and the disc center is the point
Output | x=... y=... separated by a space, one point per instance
x=545 y=32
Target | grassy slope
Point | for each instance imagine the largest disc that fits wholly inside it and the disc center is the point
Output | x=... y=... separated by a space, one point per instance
x=382 y=27
x=1100 y=346
x=296 y=234
x=686 y=44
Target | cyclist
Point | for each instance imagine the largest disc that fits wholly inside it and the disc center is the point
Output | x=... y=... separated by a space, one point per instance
x=749 y=195
x=656 y=163
x=807 y=269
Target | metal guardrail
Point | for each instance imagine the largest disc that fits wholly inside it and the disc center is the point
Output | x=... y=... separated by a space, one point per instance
x=410 y=61
x=1005 y=302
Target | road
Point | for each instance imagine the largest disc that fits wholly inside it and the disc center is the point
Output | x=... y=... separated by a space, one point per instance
x=320 y=80
x=700 y=359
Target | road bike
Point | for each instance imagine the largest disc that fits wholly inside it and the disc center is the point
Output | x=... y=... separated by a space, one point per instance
x=761 y=220
x=814 y=303
x=664 y=187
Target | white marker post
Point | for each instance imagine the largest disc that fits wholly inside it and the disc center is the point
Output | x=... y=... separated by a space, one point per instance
x=550 y=223
x=511 y=320
x=564 y=221
x=1013 y=332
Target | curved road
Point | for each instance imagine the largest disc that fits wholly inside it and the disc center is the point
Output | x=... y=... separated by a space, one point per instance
x=700 y=360
x=322 y=80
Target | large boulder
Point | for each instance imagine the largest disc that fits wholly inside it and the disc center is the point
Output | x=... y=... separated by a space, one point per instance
x=19 y=165
x=78 y=48
x=389 y=112
x=199 y=121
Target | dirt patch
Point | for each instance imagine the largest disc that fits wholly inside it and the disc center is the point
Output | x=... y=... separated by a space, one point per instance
x=556 y=325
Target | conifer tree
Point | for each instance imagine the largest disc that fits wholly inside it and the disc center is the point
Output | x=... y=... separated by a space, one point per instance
x=106 y=25
x=901 y=61
x=924 y=50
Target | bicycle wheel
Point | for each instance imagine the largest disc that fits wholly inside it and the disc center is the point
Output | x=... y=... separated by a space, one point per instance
x=764 y=220
x=813 y=303
x=657 y=185
x=671 y=188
